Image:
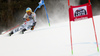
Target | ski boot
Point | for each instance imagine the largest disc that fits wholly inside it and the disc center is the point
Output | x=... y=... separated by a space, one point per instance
x=32 y=28
x=11 y=33
x=23 y=31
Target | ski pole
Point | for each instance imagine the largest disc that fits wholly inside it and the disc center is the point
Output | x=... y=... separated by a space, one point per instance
x=10 y=29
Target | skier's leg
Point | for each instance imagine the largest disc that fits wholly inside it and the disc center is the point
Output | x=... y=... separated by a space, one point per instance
x=33 y=25
x=14 y=31
x=17 y=29
x=23 y=30
x=28 y=25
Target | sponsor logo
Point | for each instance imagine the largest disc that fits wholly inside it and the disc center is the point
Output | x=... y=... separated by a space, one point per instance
x=80 y=12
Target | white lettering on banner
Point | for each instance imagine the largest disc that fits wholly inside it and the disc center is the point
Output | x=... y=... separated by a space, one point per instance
x=80 y=11
x=76 y=19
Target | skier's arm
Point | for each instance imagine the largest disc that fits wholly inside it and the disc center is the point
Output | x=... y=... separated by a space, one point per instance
x=34 y=19
x=25 y=18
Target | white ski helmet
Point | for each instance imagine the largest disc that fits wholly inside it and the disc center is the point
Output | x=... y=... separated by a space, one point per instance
x=28 y=9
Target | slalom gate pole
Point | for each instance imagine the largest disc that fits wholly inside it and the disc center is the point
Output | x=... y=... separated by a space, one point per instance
x=95 y=34
x=40 y=4
x=47 y=15
x=71 y=37
x=68 y=2
x=95 y=31
x=35 y=9
x=70 y=31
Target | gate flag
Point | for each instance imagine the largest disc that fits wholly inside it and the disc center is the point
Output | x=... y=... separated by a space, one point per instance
x=41 y=3
x=80 y=12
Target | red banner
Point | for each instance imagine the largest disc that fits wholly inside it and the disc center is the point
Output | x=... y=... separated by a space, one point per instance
x=80 y=12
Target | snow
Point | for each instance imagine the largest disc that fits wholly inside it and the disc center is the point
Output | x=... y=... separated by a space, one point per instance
x=54 y=40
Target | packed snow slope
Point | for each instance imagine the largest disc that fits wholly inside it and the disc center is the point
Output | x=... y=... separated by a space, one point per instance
x=54 y=40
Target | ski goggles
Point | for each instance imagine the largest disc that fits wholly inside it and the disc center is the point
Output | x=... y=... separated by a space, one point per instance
x=28 y=11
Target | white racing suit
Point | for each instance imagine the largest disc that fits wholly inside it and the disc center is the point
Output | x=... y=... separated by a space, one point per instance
x=27 y=24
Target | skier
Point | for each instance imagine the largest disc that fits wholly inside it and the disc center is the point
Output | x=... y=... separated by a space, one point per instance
x=29 y=22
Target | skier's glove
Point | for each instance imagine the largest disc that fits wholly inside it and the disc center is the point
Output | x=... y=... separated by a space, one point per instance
x=27 y=19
